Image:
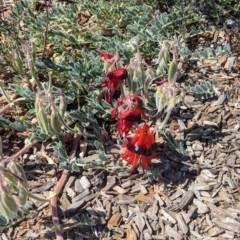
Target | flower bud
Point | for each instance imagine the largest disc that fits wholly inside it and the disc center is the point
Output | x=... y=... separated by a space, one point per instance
x=172 y=71
x=149 y=72
x=9 y=178
x=160 y=101
x=33 y=52
x=18 y=171
x=9 y=202
x=159 y=105
x=159 y=91
x=181 y=97
x=55 y=122
x=18 y=63
x=134 y=83
x=43 y=120
x=146 y=84
x=30 y=64
x=22 y=195
x=4 y=210
x=36 y=105
x=162 y=51
x=172 y=104
x=106 y=66
x=62 y=106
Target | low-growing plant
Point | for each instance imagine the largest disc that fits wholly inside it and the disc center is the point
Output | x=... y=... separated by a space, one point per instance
x=72 y=78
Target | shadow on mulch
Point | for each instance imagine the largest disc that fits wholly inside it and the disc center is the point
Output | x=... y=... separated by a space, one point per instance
x=172 y=169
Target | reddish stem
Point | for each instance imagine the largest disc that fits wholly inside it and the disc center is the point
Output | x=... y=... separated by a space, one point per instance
x=58 y=188
x=53 y=204
x=19 y=153
x=4 y=109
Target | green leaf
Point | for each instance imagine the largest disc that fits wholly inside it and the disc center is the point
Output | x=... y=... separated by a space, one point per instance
x=19 y=126
x=4 y=122
x=30 y=113
x=98 y=145
x=106 y=104
x=132 y=28
x=75 y=167
x=102 y=157
x=172 y=143
x=23 y=91
x=39 y=64
x=65 y=165
x=28 y=125
x=49 y=63
x=3 y=221
x=61 y=152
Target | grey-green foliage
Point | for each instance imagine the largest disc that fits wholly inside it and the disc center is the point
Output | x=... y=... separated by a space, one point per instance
x=209 y=52
x=173 y=143
x=165 y=25
x=93 y=136
x=204 y=87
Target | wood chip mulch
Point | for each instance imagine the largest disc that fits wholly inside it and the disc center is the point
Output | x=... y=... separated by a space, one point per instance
x=195 y=197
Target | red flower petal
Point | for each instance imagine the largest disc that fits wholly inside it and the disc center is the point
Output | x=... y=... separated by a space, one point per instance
x=107 y=56
x=146 y=162
x=129 y=115
x=120 y=73
x=140 y=146
x=124 y=127
x=133 y=159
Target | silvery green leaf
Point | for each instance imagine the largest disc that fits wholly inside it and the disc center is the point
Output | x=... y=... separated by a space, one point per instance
x=39 y=64
x=28 y=125
x=102 y=157
x=23 y=91
x=98 y=145
x=75 y=167
x=172 y=143
x=19 y=126
x=106 y=104
x=4 y=122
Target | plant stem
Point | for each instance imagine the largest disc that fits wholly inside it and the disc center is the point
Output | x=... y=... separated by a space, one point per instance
x=4 y=93
x=19 y=153
x=165 y=120
x=46 y=29
x=122 y=89
x=6 y=107
x=58 y=188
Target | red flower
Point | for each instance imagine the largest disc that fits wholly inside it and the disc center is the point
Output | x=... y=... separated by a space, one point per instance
x=141 y=146
x=107 y=56
x=112 y=82
x=128 y=111
x=112 y=79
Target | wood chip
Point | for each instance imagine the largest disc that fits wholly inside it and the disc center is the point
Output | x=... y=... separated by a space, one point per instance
x=171 y=232
x=140 y=223
x=120 y=190
x=169 y=217
x=181 y=223
x=115 y=220
x=81 y=195
x=131 y=235
x=201 y=207
x=69 y=183
x=186 y=199
x=74 y=206
x=85 y=182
